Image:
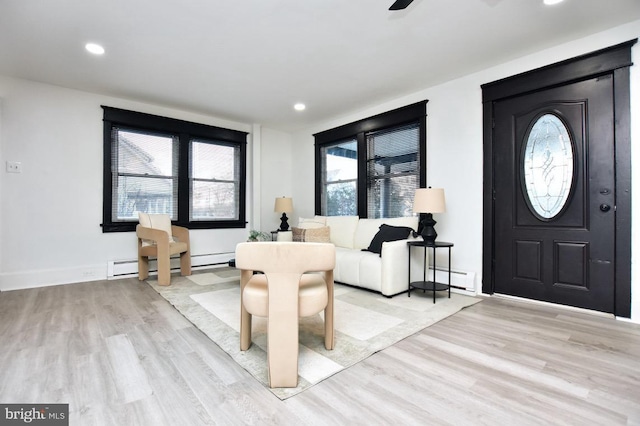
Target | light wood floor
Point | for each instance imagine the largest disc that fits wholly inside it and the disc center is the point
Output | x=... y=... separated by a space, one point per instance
x=119 y=354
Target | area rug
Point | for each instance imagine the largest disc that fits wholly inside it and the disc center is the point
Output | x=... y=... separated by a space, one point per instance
x=365 y=323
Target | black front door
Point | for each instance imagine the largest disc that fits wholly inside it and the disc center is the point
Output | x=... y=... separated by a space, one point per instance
x=557 y=182
x=554 y=189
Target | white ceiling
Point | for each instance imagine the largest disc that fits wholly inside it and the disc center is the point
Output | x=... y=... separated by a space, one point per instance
x=251 y=60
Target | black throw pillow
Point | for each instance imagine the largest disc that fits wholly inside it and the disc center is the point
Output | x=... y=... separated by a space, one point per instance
x=388 y=233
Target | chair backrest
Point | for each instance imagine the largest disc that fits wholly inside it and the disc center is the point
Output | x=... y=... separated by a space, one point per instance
x=155 y=221
x=160 y=222
x=286 y=257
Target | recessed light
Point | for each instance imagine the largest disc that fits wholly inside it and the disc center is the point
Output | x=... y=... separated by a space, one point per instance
x=94 y=48
x=299 y=107
x=552 y=2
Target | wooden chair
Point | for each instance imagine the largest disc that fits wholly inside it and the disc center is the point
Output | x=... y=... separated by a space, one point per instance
x=283 y=293
x=158 y=238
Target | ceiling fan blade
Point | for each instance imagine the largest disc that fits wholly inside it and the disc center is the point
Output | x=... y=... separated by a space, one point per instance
x=400 y=4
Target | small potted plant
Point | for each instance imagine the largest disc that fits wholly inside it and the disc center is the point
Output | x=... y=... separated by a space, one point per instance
x=258 y=236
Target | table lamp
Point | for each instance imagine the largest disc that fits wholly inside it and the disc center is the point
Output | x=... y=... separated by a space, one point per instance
x=429 y=200
x=283 y=205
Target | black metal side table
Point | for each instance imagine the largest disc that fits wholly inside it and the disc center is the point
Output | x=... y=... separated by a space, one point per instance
x=433 y=285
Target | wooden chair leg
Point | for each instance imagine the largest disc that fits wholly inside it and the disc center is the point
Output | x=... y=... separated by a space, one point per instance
x=164 y=271
x=329 y=339
x=185 y=263
x=245 y=317
x=245 y=330
x=143 y=267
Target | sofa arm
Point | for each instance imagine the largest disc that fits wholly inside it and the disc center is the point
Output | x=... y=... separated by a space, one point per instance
x=395 y=266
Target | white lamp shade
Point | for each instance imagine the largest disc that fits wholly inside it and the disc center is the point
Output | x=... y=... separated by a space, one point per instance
x=429 y=200
x=283 y=205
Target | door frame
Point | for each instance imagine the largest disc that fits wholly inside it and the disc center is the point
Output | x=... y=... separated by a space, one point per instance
x=614 y=61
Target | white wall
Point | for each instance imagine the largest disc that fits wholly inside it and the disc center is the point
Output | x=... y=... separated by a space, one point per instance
x=276 y=177
x=51 y=212
x=454 y=147
x=303 y=168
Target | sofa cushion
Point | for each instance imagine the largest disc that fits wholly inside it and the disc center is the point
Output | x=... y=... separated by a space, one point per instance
x=347 y=268
x=359 y=268
x=311 y=235
x=312 y=223
x=388 y=233
x=343 y=230
x=368 y=228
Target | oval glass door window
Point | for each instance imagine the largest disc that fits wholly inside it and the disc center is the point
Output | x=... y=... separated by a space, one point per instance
x=548 y=166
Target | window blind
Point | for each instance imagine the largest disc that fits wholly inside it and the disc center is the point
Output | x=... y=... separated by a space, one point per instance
x=392 y=171
x=215 y=179
x=145 y=172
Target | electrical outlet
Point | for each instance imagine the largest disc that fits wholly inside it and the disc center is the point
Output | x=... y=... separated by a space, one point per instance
x=14 y=167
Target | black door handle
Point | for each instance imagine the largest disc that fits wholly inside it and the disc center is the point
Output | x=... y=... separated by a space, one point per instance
x=605 y=207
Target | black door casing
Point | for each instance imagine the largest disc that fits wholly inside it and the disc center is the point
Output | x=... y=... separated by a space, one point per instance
x=582 y=256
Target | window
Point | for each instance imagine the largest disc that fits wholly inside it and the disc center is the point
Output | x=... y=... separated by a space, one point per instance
x=339 y=178
x=215 y=181
x=192 y=172
x=393 y=171
x=145 y=173
x=371 y=168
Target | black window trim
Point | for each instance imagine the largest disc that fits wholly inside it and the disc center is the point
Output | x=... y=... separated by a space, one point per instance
x=416 y=112
x=186 y=131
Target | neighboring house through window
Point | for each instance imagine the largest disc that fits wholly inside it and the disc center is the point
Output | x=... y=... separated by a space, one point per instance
x=372 y=167
x=193 y=172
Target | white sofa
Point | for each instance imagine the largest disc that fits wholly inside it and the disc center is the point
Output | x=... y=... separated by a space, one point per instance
x=387 y=272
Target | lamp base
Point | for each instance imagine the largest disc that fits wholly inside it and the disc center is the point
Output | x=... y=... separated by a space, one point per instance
x=428 y=233
x=284 y=224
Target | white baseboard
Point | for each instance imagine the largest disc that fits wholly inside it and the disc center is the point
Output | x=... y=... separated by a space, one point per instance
x=129 y=268
x=49 y=277
x=126 y=268
x=461 y=280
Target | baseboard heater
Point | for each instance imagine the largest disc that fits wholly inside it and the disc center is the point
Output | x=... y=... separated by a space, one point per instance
x=125 y=268
x=462 y=280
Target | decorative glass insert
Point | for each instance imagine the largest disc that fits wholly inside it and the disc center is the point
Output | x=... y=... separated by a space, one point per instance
x=548 y=166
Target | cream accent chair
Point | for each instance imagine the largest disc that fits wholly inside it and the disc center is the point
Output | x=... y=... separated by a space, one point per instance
x=158 y=238
x=283 y=293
